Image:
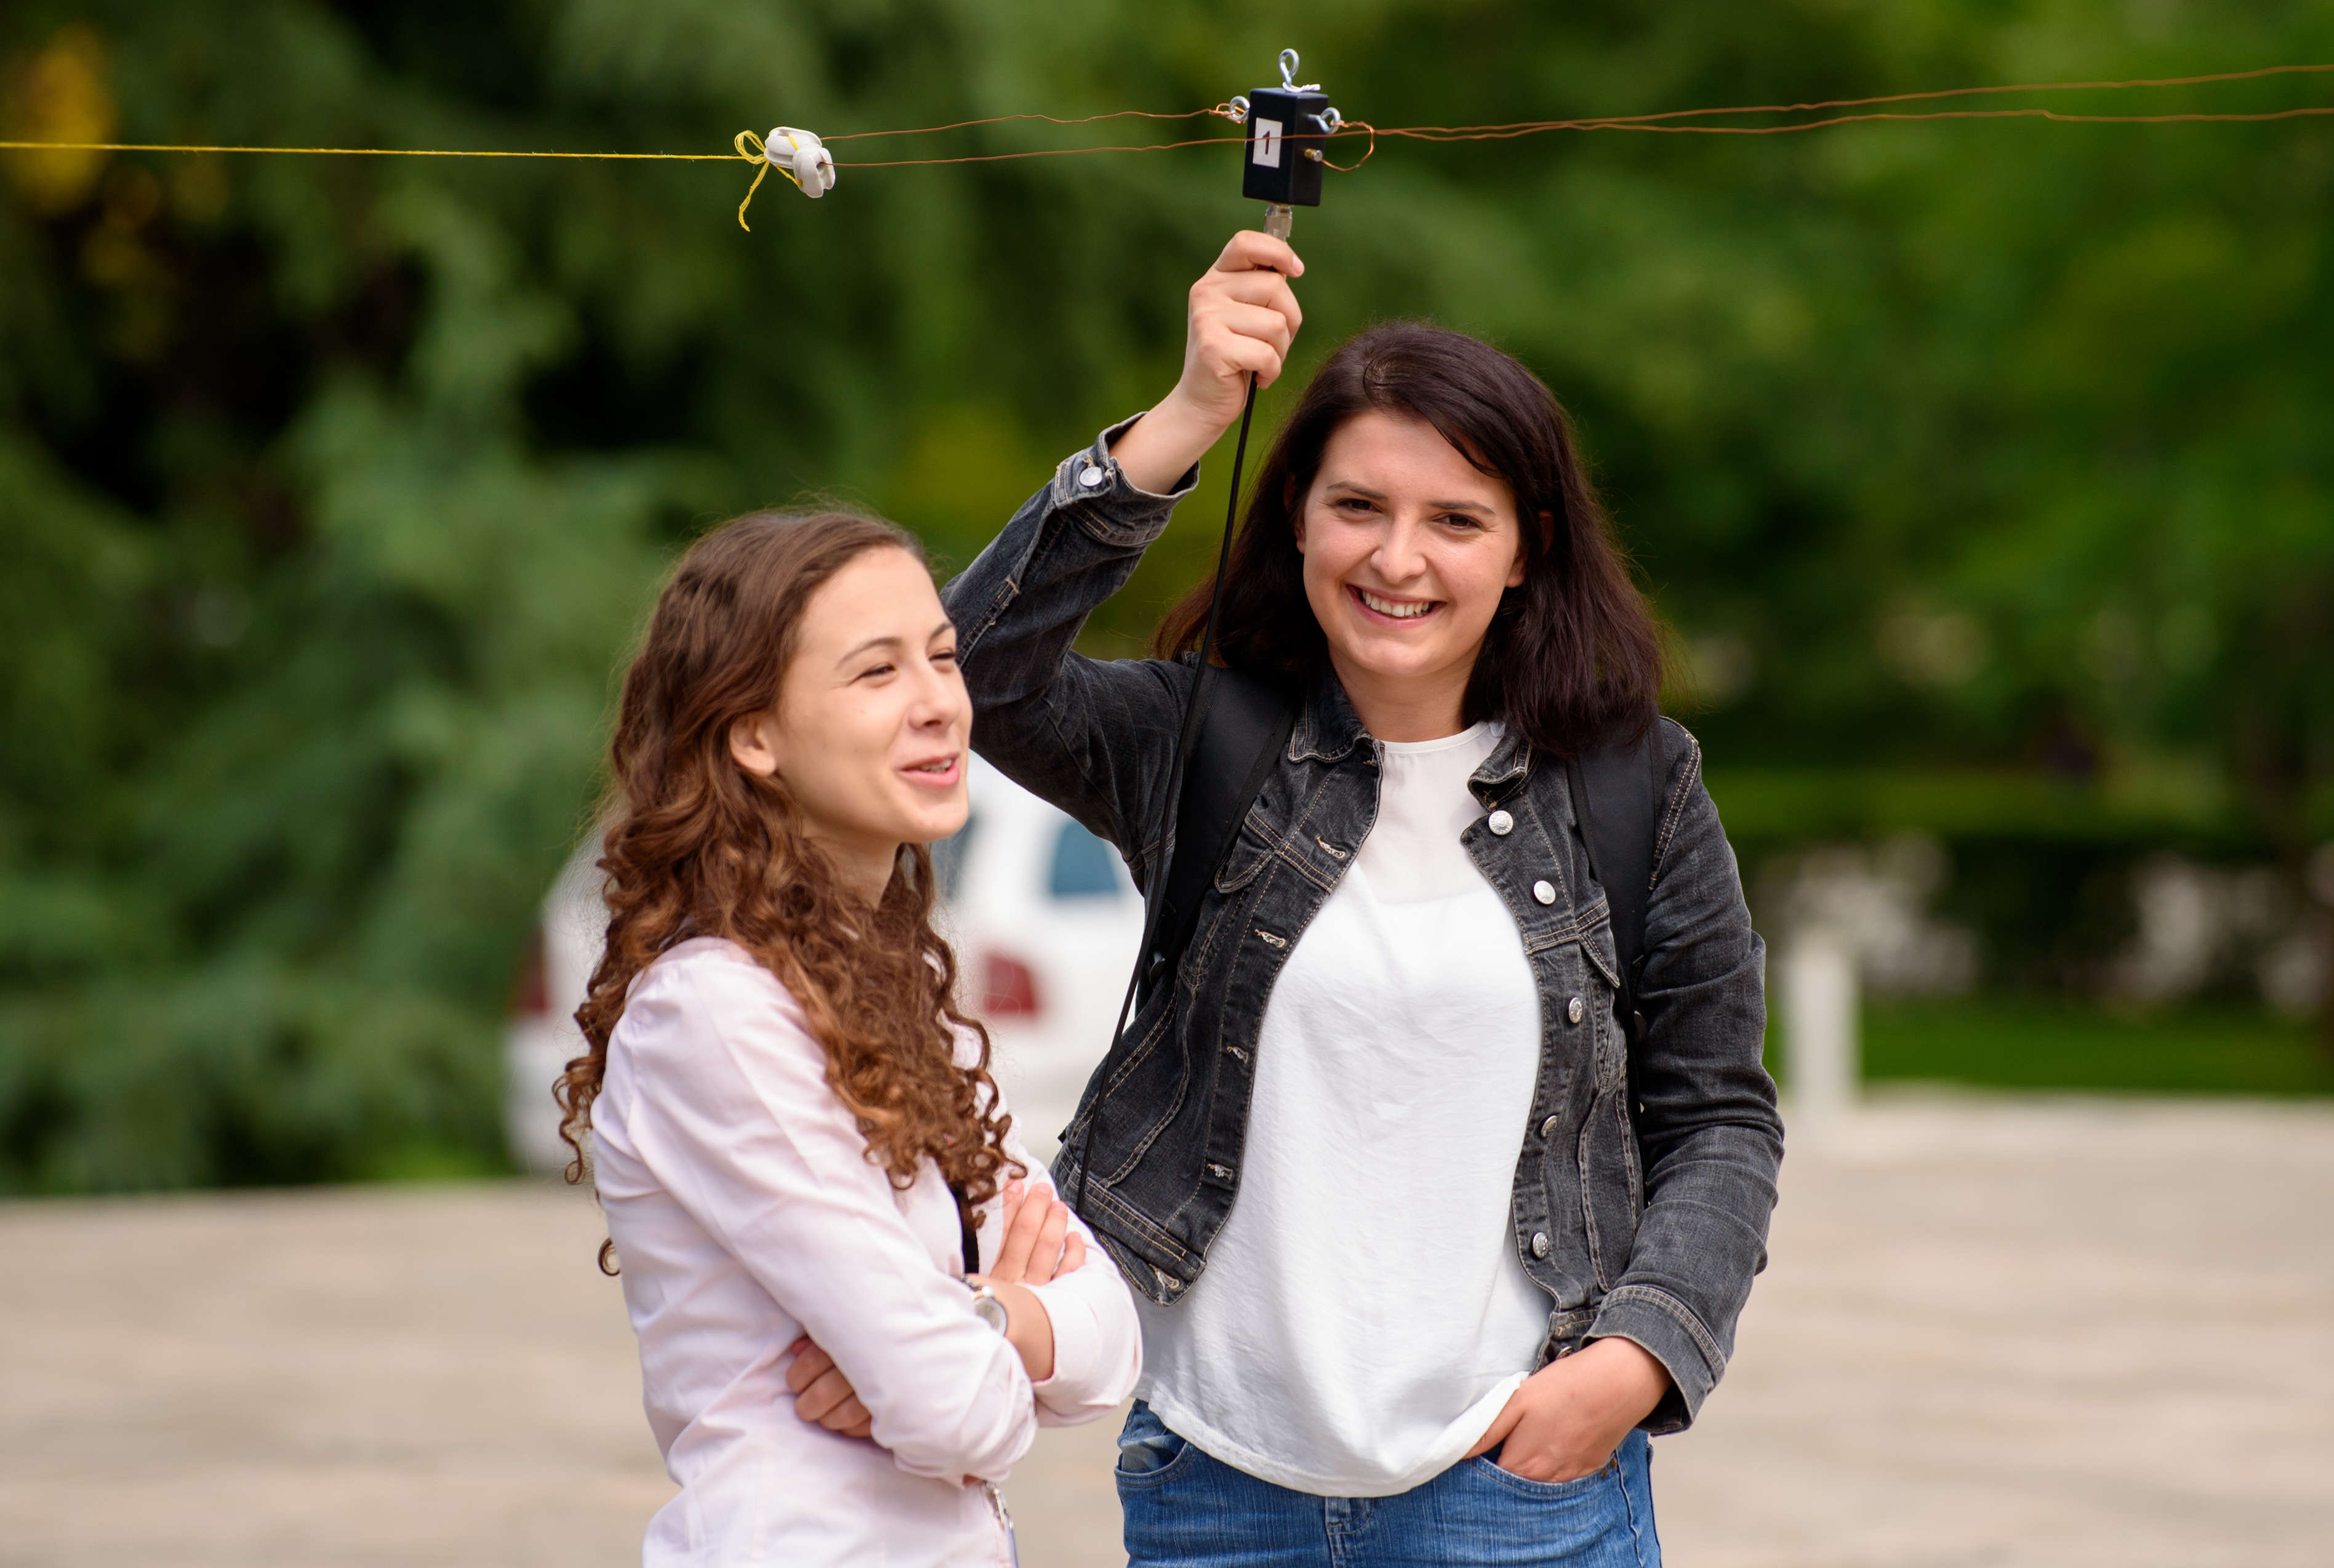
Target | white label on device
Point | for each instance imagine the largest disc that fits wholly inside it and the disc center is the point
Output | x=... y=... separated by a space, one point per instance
x=1268 y=143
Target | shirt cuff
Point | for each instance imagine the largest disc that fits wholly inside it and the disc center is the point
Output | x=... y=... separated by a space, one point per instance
x=1077 y=1345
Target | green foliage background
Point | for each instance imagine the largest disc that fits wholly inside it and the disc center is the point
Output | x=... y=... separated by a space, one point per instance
x=1983 y=467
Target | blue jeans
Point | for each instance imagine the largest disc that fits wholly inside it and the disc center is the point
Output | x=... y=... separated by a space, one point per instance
x=1186 y=1510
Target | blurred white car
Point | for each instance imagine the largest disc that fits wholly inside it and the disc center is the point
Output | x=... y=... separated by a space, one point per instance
x=1042 y=917
x=1045 y=922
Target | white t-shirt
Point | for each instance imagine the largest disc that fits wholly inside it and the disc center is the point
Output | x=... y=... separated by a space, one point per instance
x=1364 y=1315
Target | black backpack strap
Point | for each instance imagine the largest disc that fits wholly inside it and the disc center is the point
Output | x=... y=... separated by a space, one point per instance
x=1235 y=729
x=1617 y=798
x=1244 y=729
x=968 y=1237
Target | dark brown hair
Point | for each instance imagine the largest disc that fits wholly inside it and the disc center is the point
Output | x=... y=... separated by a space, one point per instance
x=699 y=847
x=1572 y=656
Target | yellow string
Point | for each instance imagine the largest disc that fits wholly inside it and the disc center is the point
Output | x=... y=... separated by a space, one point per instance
x=348 y=151
x=759 y=154
x=748 y=146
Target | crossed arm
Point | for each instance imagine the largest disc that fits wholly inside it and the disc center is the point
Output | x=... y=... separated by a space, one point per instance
x=1038 y=1247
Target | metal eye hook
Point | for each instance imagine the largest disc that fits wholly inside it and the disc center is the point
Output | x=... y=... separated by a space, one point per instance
x=1288 y=74
x=1329 y=120
x=1237 y=109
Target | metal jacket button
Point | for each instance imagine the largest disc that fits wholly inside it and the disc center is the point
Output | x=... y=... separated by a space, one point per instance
x=1093 y=477
x=1575 y=1010
x=1539 y=1243
x=1544 y=891
x=1548 y=1128
x=1502 y=823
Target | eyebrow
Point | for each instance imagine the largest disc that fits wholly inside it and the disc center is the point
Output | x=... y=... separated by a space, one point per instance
x=1364 y=490
x=888 y=642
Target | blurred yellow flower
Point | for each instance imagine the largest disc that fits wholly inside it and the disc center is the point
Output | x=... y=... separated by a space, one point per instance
x=59 y=95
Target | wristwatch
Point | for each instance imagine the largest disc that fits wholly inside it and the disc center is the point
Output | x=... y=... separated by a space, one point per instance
x=990 y=1308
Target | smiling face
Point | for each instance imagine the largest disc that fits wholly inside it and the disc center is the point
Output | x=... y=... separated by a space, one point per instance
x=1408 y=548
x=871 y=721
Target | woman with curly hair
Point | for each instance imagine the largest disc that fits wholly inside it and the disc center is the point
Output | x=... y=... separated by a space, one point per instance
x=794 y=1131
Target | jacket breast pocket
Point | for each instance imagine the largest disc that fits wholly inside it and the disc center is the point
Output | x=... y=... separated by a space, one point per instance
x=1596 y=943
x=1245 y=855
x=1223 y=908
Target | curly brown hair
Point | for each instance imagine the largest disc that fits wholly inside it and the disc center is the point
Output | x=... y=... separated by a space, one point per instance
x=698 y=846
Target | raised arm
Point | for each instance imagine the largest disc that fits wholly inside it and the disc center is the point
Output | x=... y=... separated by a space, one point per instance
x=1241 y=321
x=1096 y=737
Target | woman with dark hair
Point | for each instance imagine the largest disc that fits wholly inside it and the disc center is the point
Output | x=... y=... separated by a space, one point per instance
x=1426 y=1246
x=794 y=1131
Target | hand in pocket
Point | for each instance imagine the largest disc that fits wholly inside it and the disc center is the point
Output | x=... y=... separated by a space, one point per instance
x=1568 y=1416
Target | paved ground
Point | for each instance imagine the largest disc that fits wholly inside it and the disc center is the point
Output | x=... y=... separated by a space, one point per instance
x=1996 y=1333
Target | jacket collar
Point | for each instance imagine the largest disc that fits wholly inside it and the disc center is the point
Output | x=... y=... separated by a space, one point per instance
x=1506 y=767
x=1326 y=725
x=1328 y=729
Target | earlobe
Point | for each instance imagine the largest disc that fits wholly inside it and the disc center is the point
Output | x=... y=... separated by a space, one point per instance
x=753 y=745
x=1296 y=513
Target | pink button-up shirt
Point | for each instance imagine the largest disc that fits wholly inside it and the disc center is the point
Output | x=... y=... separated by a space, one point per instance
x=745 y=1212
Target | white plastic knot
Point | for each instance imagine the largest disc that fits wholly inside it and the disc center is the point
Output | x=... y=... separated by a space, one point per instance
x=800 y=156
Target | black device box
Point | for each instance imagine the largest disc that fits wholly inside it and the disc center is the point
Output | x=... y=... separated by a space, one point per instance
x=1286 y=141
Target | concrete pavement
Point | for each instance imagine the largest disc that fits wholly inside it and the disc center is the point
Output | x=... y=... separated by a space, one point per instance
x=1996 y=1331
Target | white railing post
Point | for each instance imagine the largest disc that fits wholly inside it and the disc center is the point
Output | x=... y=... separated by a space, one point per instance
x=1820 y=1008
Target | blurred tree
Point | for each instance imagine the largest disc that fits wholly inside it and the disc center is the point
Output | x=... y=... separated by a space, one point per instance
x=331 y=490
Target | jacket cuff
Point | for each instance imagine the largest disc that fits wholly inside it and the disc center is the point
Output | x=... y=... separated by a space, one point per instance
x=1091 y=487
x=1666 y=1329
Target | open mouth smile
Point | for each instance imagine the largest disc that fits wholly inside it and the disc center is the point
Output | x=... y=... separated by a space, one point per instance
x=941 y=771
x=1380 y=607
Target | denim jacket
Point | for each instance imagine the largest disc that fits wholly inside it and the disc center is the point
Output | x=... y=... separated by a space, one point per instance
x=1650 y=1233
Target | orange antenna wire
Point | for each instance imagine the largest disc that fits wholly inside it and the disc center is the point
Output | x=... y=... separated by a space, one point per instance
x=1662 y=122
x=1425 y=131
x=1048 y=118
